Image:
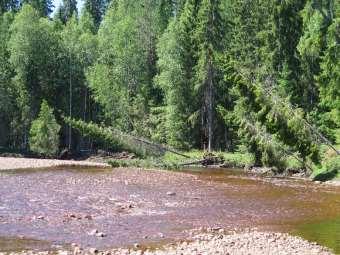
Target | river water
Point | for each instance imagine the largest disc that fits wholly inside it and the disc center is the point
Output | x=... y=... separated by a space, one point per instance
x=48 y=209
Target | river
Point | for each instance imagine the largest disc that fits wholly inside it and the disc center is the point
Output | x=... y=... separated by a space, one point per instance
x=47 y=209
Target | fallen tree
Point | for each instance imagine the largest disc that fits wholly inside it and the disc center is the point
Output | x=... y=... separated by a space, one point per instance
x=119 y=140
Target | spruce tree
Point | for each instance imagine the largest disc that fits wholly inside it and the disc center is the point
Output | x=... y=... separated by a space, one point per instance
x=287 y=29
x=328 y=82
x=95 y=8
x=174 y=80
x=9 y=5
x=69 y=9
x=208 y=35
x=44 y=7
x=176 y=53
x=44 y=132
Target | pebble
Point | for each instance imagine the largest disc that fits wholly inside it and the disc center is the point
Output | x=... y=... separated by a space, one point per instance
x=88 y=217
x=63 y=253
x=93 y=232
x=249 y=242
x=93 y=250
x=101 y=234
x=77 y=251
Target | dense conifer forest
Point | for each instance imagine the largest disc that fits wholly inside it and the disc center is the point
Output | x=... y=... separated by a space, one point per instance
x=258 y=76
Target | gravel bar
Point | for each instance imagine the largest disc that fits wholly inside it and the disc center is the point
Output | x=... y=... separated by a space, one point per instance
x=220 y=242
x=7 y=163
x=255 y=243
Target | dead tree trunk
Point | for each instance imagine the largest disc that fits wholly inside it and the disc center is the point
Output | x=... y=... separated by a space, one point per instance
x=209 y=103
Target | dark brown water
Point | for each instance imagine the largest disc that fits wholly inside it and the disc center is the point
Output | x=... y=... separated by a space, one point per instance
x=40 y=209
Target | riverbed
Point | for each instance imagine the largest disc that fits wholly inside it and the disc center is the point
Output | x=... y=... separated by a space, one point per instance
x=46 y=209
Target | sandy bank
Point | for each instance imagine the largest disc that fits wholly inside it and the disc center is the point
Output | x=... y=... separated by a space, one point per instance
x=23 y=163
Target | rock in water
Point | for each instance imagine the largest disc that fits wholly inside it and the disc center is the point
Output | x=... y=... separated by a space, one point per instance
x=93 y=232
x=100 y=234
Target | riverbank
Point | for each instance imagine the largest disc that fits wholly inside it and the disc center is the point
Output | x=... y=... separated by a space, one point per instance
x=8 y=163
x=217 y=241
x=222 y=242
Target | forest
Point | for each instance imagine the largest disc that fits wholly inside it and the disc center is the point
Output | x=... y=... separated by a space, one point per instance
x=239 y=76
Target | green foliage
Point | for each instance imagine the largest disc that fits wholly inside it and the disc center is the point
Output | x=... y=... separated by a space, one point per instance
x=6 y=72
x=192 y=74
x=235 y=159
x=272 y=128
x=148 y=163
x=44 y=132
x=8 y=5
x=330 y=169
x=95 y=8
x=34 y=55
x=208 y=36
x=43 y=7
x=7 y=96
x=329 y=78
x=333 y=164
x=124 y=72
x=175 y=84
x=116 y=139
x=69 y=9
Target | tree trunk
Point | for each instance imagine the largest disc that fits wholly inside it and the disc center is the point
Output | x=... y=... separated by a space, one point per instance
x=209 y=104
x=70 y=105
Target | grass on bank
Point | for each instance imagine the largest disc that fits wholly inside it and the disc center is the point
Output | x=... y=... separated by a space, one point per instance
x=329 y=168
x=330 y=165
x=173 y=161
x=235 y=159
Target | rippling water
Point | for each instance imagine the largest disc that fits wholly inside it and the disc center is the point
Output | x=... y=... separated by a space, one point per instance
x=42 y=208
